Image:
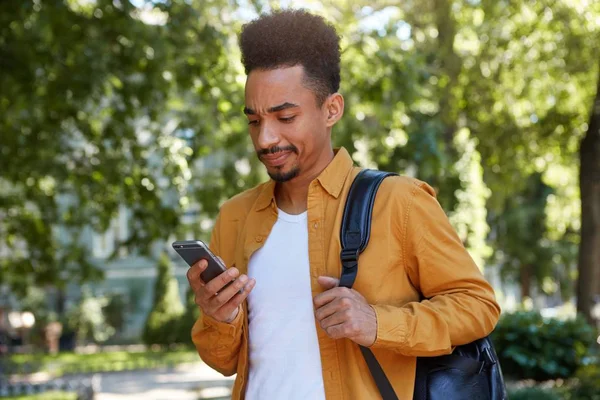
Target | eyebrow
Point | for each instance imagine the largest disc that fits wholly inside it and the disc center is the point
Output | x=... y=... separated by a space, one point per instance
x=281 y=107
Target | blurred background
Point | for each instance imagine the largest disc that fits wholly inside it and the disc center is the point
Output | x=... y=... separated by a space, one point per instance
x=121 y=130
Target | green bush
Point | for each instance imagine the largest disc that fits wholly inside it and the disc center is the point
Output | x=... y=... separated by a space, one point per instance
x=533 y=393
x=115 y=311
x=188 y=319
x=87 y=320
x=587 y=384
x=532 y=347
x=163 y=320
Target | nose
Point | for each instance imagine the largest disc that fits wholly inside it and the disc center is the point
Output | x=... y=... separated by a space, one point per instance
x=267 y=135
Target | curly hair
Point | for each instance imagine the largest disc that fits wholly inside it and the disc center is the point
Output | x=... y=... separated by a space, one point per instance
x=289 y=38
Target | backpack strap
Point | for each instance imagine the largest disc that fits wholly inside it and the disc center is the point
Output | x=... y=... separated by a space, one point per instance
x=356 y=223
x=354 y=235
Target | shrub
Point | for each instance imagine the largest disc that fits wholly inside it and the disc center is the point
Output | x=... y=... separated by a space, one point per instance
x=163 y=319
x=533 y=393
x=116 y=311
x=587 y=384
x=188 y=319
x=87 y=320
x=532 y=347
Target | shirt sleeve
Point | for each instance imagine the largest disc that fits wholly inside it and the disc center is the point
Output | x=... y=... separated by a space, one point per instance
x=458 y=305
x=218 y=343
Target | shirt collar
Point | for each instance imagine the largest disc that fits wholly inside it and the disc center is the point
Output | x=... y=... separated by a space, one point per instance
x=332 y=179
x=334 y=175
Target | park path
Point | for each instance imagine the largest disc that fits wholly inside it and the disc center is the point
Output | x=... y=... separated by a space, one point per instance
x=184 y=382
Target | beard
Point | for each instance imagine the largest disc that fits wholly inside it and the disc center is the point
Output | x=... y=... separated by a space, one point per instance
x=284 y=176
x=280 y=175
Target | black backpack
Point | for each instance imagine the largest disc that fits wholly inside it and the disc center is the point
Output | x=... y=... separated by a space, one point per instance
x=471 y=372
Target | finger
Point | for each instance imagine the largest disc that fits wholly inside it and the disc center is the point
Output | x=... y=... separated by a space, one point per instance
x=217 y=284
x=225 y=294
x=229 y=307
x=347 y=329
x=335 y=331
x=336 y=318
x=329 y=295
x=338 y=304
x=328 y=282
x=193 y=274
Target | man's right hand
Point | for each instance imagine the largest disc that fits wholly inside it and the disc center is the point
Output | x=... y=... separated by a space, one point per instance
x=214 y=300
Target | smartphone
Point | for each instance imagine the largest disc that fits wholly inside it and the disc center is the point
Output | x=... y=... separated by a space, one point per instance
x=193 y=251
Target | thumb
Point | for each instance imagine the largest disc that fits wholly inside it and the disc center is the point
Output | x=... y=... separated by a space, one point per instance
x=328 y=282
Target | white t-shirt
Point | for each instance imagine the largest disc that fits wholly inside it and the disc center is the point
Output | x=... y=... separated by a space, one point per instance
x=284 y=354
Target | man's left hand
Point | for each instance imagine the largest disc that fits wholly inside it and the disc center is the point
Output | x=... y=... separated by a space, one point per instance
x=345 y=313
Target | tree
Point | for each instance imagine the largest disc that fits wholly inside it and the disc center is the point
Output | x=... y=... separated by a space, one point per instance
x=588 y=281
x=162 y=322
x=524 y=253
x=527 y=71
x=400 y=81
x=89 y=100
x=514 y=76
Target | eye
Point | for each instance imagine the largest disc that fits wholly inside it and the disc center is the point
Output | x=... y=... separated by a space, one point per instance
x=287 y=120
x=253 y=122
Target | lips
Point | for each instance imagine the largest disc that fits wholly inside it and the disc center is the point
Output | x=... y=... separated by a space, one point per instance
x=275 y=159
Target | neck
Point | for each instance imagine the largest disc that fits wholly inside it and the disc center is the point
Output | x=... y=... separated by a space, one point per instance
x=292 y=196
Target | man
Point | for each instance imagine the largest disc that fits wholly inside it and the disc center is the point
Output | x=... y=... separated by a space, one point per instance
x=284 y=326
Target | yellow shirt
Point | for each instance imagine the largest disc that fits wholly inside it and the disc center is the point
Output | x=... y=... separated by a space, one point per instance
x=413 y=250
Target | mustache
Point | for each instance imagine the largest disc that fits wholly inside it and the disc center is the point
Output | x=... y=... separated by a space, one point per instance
x=276 y=149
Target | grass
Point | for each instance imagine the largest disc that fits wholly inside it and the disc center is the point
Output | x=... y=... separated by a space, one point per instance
x=45 y=396
x=65 y=363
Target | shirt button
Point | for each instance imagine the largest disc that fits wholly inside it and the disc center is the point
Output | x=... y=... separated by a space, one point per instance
x=259 y=239
x=316 y=225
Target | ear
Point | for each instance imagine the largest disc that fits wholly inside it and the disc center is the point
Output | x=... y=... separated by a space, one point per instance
x=334 y=109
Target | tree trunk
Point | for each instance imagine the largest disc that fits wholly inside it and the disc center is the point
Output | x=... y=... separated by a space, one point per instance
x=525 y=282
x=61 y=299
x=588 y=282
x=451 y=64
